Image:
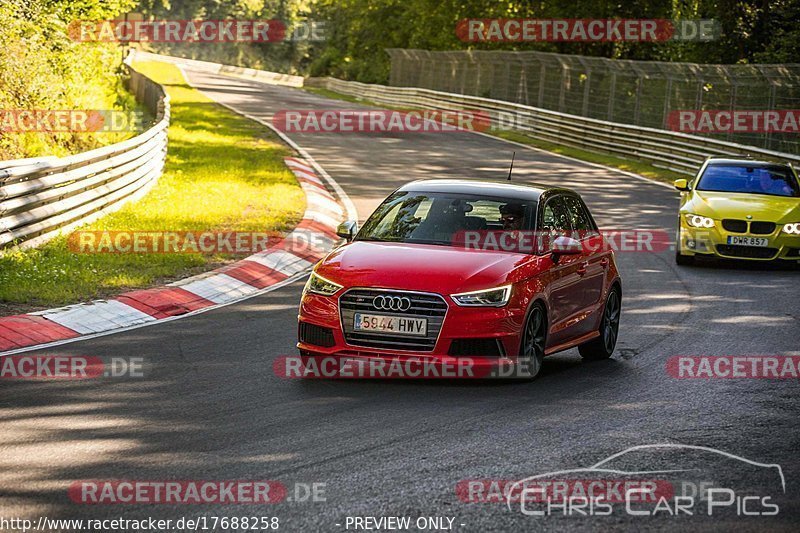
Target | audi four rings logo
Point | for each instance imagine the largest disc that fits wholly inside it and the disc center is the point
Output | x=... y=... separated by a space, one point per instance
x=392 y=303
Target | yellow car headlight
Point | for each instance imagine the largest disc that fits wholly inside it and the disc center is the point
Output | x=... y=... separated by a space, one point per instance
x=697 y=221
x=792 y=229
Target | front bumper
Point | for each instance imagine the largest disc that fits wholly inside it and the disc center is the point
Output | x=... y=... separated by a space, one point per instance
x=714 y=242
x=464 y=333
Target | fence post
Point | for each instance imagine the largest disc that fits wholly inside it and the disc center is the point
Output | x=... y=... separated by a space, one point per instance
x=667 y=94
x=611 y=91
x=542 y=81
x=699 y=99
x=396 y=77
x=586 y=86
x=734 y=89
x=522 y=89
x=464 y=70
x=638 y=100
x=478 y=78
x=772 y=94
x=562 y=94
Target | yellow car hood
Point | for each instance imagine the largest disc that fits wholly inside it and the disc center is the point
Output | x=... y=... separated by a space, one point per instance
x=721 y=205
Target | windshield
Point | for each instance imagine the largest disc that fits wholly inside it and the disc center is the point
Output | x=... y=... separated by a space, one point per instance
x=439 y=218
x=772 y=180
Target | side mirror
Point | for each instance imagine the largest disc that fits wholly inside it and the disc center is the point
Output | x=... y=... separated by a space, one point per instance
x=681 y=185
x=347 y=230
x=565 y=246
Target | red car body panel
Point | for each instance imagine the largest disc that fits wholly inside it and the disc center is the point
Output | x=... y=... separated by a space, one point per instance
x=573 y=291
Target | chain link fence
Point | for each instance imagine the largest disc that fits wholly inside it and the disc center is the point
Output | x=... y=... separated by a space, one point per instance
x=641 y=93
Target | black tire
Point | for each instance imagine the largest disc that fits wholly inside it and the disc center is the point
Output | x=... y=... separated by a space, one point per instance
x=603 y=346
x=534 y=338
x=684 y=260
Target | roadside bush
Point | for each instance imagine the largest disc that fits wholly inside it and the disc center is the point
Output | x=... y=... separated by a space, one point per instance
x=42 y=68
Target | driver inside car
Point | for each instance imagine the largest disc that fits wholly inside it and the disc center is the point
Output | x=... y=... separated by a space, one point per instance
x=774 y=185
x=511 y=216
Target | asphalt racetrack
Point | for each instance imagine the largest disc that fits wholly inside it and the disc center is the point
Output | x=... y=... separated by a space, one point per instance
x=211 y=408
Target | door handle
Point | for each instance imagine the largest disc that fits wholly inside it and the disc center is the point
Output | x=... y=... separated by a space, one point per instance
x=582 y=270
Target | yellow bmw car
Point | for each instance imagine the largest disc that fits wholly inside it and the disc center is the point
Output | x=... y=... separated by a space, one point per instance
x=739 y=209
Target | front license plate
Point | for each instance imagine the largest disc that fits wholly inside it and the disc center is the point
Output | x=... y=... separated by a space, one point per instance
x=391 y=324
x=748 y=241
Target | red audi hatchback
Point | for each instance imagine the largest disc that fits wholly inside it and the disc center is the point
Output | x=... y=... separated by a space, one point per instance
x=501 y=273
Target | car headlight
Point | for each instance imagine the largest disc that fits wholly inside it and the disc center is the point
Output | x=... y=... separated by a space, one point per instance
x=319 y=285
x=792 y=229
x=496 y=297
x=697 y=221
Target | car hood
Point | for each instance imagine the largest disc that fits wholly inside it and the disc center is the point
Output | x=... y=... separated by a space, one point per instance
x=421 y=267
x=721 y=205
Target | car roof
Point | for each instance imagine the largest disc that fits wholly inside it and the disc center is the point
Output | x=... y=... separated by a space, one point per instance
x=745 y=161
x=502 y=189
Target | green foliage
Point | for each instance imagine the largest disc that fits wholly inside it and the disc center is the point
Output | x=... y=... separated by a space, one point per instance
x=223 y=173
x=360 y=30
x=42 y=68
x=781 y=25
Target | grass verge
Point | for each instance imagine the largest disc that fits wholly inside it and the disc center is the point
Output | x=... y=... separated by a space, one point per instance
x=630 y=165
x=223 y=173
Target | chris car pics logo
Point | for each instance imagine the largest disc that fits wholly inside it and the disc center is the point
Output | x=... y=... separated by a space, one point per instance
x=677 y=480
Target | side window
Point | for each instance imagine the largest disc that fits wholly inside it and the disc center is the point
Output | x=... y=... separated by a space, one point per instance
x=555 y=223
x=579 y=217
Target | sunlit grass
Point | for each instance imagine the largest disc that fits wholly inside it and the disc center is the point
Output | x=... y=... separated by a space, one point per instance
x=223 y=172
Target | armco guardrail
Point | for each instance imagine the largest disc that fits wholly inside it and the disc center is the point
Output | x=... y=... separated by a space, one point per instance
x=627 y=91
x=274 y=78
x=675 y=151
x=40 y=198
x=680 y=152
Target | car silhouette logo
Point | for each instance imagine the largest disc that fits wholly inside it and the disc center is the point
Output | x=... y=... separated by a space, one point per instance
x=391 y=303
x=606 y=466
